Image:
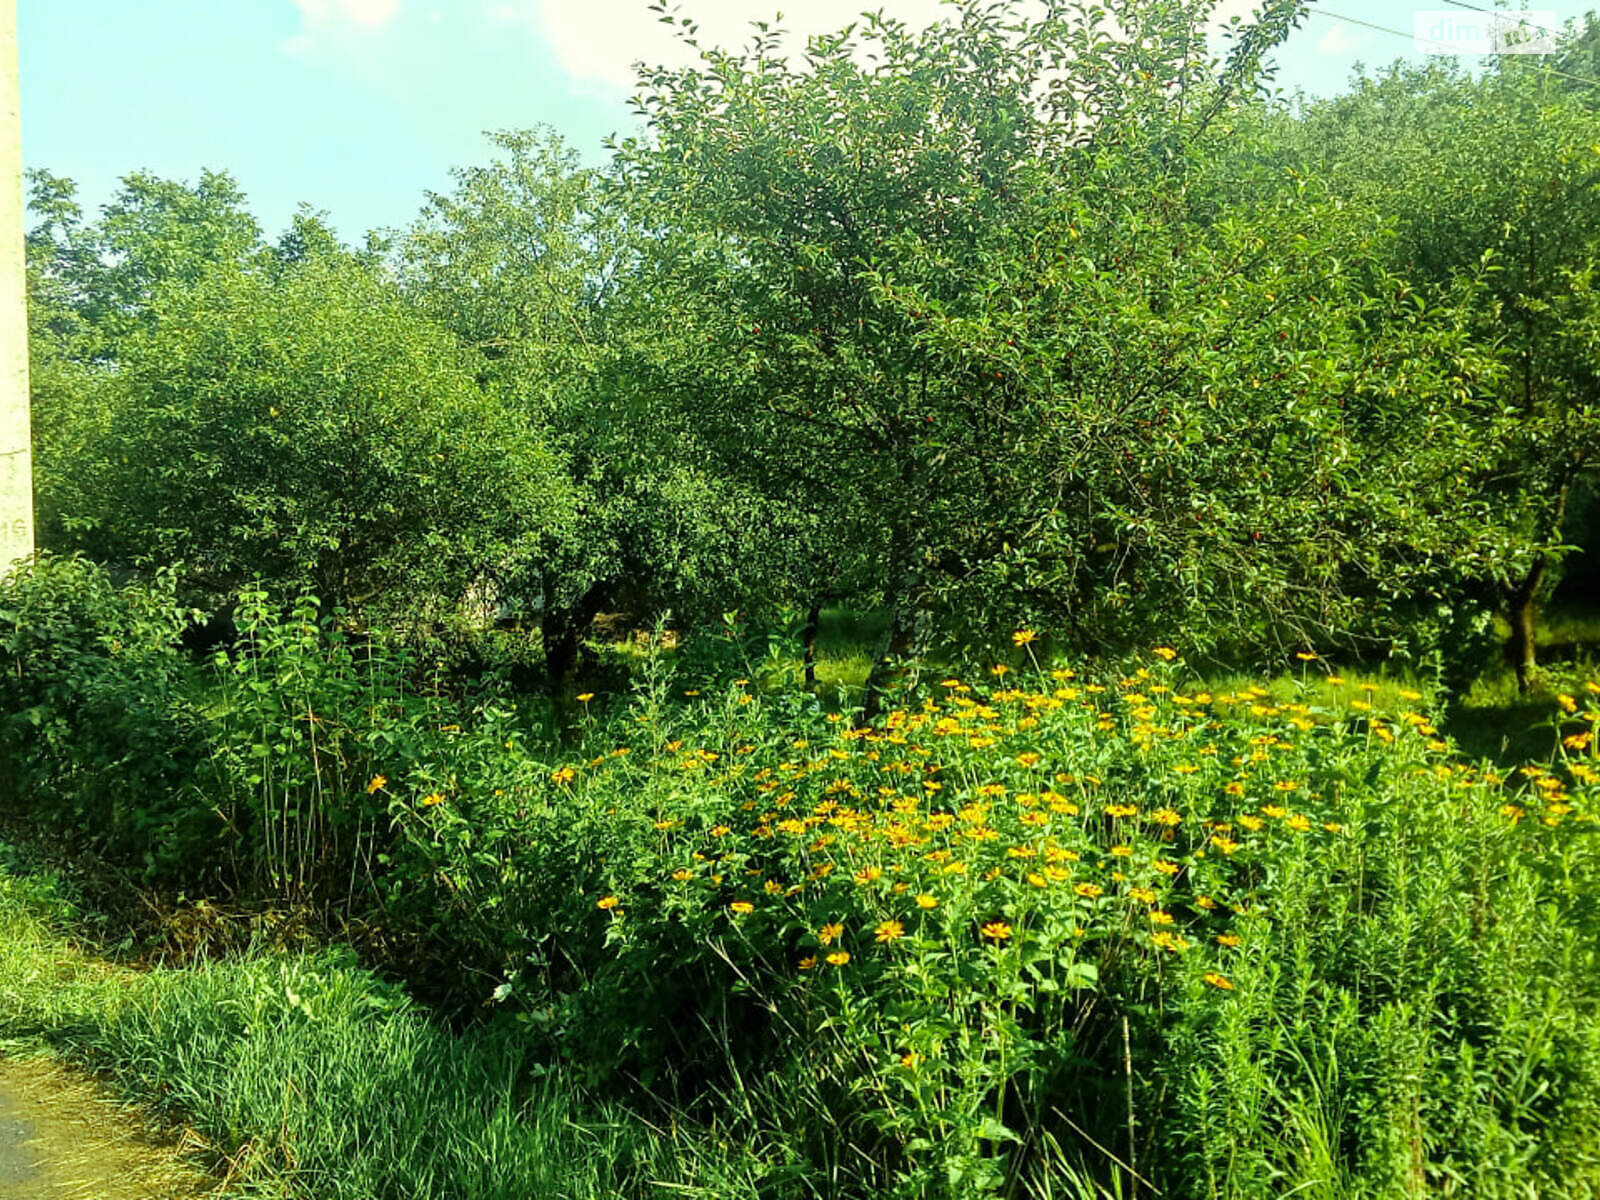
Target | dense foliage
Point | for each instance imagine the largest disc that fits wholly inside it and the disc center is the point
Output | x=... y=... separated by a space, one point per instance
x=1070 y=357
x=1030 y=928
x=1030 y=316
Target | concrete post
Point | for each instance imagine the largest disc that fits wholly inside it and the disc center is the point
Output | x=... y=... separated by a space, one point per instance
x=16 y=443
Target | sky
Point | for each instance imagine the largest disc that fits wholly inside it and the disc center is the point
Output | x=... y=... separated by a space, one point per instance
x=359 y=107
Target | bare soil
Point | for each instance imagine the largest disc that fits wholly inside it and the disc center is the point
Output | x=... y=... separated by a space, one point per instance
x=65 y=1137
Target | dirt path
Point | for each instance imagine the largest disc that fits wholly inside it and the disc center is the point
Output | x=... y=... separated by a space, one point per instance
x=63 y=1137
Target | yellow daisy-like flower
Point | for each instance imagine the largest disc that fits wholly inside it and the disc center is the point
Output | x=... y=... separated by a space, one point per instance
x=1158 y=917
x=564 y=775
x=808 y=962
x=741 y=908
x=1089 y=890
x=926 y=901
x=1219 y=981
x=838 y=958
x=829 y=933
x=585 y=697
x=998 y=931
x=1227 y=939
x=888 y=931
x=1038 y=880
x=431 y=799
x=377 y=782
x=1023 y=637
x=1306 y=656
x=1165 y=653
x=1142 y=894
x=607 y=902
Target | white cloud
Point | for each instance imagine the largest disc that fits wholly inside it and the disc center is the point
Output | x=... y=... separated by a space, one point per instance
x=598 y=41
x=322 y=18
x=1340 y=40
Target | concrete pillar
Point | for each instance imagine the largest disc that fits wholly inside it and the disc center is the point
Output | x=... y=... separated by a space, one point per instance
x=16 y=452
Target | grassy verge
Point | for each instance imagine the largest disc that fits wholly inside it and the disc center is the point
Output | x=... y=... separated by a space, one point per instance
x=309 y=1077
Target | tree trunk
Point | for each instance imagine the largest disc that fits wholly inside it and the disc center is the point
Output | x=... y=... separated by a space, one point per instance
x=561 y=628
x=906 y=635
x=1523 y=610
x=809 y=636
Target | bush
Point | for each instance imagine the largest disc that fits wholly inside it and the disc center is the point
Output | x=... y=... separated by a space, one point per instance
x=932 y=948
x=1030 y=933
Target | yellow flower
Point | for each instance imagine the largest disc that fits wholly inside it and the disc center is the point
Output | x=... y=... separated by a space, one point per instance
x=607 y=902
x=1022 y=637
x=1038 y=880
x=1218 y=981
x=1234 y=788
x=720 y=831
x=997 y=930
x=1567 y=703
x=681 y=874
x=926 y=901
x=377 y=782
x=564 y=775
x=1165 y=653
x=1142 y=895
x=1205 y=902
x=432 y=798
x=1122 y=851
x=1160 y=918
x=1306 y=656
x=585 y=697
x=888 y=931
x=999 y=669
x=1089 y=890
x=1227 y=939
x=829 y=933
x=741 y=908
x=838 y=958
x=808 y=962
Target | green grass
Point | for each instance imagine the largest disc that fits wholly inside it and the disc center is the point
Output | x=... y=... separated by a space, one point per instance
x=312 y=1078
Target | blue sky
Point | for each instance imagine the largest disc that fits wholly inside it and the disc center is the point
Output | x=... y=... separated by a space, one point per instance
x=360 y=106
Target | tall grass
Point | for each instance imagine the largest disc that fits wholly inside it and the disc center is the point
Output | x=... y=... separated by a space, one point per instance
x=313 y=1079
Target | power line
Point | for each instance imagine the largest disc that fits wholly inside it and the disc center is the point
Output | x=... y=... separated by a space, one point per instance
x=1415 y=41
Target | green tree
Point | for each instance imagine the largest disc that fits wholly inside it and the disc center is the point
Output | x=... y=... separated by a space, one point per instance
x=1497 y=176
x=989 y=294
x=522 y=263
x=298 y=423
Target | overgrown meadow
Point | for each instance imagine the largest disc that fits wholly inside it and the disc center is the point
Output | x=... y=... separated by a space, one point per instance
x=1038 y=930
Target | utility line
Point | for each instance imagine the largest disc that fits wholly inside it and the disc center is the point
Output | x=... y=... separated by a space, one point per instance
x=1412 y=38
